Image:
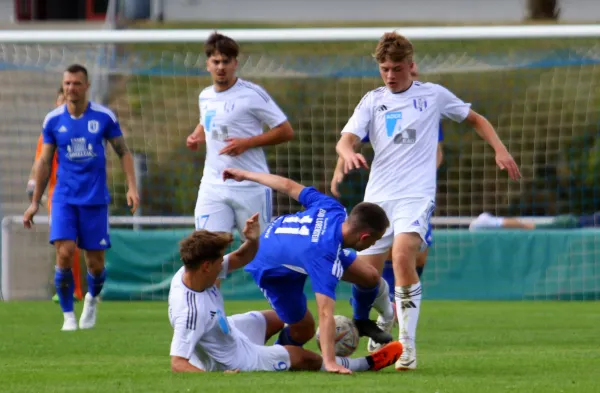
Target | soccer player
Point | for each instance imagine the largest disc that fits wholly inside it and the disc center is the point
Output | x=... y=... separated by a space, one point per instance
x=564 y=221
x=77 y=132
x=313 y=243
x=60 y=100
x=232 y=114
x=205 y=339
x=402 y=120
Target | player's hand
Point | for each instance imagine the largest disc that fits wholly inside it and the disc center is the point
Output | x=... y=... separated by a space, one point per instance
x=29 y=213
x=354 y=161
x=506 y=162
x=192 y=142
x=235 y=147
x=337 y=369
x=133 y=200
x=338 y=177
x=252 y=229
x=234 y=173
x=237 y=370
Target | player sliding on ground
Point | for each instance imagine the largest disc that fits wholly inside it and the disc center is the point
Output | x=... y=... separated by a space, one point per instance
x=402 y=122
x=312 y=244
x=205 y=339
x=78 y=131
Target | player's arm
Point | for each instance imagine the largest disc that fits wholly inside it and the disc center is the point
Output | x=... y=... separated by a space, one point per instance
x=31 y=180
x=120 y=147
x=42 y=171
x=182 y=365
x=354 y=131
x=486 y=131
x=187 y=331
x=338 y=172
x=326 y=306
x=247 y=251
x=197 y=137
x=275 y=182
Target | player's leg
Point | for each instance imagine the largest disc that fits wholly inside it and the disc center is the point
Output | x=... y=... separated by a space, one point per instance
x=257 y=326
x=248 y=202
x=77 y=274
x=366 y=287
x=212 y=211
x=63 y=233
x=94 y=239
x=488 y=221
x=412 y=226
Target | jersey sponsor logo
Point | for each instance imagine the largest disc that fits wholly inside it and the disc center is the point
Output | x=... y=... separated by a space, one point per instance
x=93 y=126
x=408 y=136
x=420 y=104
x=223 y=324
x=393 y=122
x=80 y=150
x=208 y=117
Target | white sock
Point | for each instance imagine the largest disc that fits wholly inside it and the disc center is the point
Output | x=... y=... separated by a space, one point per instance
x=408 y=304
x=352 y=364
x=382 y=302
x=69 y=315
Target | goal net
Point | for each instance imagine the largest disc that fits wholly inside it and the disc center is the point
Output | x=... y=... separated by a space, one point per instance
x=540 y=88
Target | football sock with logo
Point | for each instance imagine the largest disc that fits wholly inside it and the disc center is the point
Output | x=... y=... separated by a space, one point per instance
x=352 y=364
x=388 y=275
x=285 y=338
x=95 y=282
x=362 y=301
x=408 y=304
x=64 y=283
x=382 y=304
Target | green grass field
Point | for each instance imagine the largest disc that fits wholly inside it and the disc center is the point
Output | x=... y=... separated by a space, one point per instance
x=463 y=347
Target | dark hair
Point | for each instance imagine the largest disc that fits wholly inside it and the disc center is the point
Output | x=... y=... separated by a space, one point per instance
x=395 y=47
x=203 y=246
x=75 y=68
x=219 y=43
x=368 y=216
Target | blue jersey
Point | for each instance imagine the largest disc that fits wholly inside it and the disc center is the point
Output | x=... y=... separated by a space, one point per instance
x=80 y=145
x=309 y=242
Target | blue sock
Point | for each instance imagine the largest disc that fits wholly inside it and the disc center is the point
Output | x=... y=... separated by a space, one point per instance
x=388 y=275
x=285 y=338
x=420 y=270
x=95 y=283
x=65 y=285
x=362 y=302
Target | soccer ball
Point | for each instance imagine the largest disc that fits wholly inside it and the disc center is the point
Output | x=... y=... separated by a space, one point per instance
x=346 y=336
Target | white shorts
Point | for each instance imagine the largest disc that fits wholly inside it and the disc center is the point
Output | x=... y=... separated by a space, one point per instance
x=220 y=208
x=253 y=326
x=406 y=215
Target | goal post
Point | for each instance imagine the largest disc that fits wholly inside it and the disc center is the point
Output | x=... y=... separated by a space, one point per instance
x=539 y=86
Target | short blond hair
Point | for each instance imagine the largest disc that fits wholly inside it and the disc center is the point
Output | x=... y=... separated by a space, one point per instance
x=395 y=47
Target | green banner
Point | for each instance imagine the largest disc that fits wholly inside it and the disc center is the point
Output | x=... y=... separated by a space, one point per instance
x=489 y=265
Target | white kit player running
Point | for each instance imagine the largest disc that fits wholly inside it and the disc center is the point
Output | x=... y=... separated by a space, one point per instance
x=232 y=114
x=205 y=339
x=402 y=121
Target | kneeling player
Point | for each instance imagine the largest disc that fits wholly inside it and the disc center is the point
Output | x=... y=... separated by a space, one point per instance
x=205 y=339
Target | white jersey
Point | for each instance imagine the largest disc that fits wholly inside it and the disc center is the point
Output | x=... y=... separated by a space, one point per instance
x=403 y=129
x=238 y=112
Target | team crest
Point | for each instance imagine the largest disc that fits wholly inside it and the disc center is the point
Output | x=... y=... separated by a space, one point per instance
x=420 y=104
x=229 y=106
x=93 y=126
x=393 y=122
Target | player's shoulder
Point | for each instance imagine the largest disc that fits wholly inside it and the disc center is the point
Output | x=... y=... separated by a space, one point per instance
x=427 y=87
x=253 y=89
x=102 y=111
x=54 y=114
x=206 y=93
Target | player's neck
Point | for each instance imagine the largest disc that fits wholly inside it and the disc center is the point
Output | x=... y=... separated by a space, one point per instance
x=221 y=88
x=76 y=109
x=195 y=282
x=401 y=89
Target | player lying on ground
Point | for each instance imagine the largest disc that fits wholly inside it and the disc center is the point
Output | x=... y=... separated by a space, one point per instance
x=402 y=121
x=205 y=339
x=232 y=114
x=78 y=132
x=313 y=243
x=60 y=100
x=387 y=317
x=564 y=221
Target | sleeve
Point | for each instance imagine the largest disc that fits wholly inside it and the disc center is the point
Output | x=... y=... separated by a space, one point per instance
x=47 y=133
x=187 y=331
x=113 y=129
x=265 y=109
x=347 y=256
x=224 y=267
x=441 y=134
x=325 y=272
x=38 y=148
x=451 y=107
x=309 y=197
x=360 y=121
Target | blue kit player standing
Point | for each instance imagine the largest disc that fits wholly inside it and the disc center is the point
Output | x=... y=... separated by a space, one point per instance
x=314 y=243
x=78 y=131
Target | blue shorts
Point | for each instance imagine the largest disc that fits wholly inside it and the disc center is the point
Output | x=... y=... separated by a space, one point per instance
x=284 y=290
x=86 y=225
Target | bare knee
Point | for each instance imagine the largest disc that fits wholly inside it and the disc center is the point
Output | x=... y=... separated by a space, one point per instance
x=421 y=258
x=303 y=331
x=301 y=359
x=274 y=324
x=94 y=260
x=371 y=277
x=406 y=247
x=65 y=249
